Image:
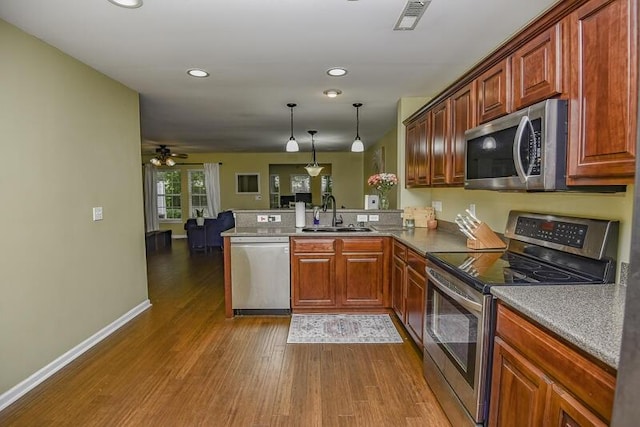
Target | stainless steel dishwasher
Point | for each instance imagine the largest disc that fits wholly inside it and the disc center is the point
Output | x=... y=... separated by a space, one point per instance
x=260 y=278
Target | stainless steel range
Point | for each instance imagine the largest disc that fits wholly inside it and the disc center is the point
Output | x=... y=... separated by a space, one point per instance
x=458 y=328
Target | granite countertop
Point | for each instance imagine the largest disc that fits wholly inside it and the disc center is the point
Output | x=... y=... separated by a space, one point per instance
x=588 y=316
x=422 y=240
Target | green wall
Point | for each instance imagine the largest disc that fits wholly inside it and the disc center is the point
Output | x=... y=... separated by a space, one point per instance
x=71 y=141
x=387 y=149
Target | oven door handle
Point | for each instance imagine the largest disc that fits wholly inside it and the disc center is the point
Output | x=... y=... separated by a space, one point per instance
x=460 y=299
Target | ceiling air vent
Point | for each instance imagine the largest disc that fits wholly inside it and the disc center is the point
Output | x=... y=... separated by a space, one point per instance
x=411 y=15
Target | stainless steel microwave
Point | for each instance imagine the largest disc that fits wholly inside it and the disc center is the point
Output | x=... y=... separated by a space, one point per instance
x=525 y=150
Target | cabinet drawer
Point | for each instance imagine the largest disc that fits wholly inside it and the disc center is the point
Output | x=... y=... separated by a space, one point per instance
x=313 y=245
x=365 y=244
x=399 y=250
x=590 y=383
x=416 y=262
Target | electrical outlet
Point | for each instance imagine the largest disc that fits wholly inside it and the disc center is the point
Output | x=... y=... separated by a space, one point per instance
x=374 y=218
x=361 y=218
x=263 y=218
x=258 y=196
x=437 y=205
x=472 y=208
x=275 y=218
x=97 y=213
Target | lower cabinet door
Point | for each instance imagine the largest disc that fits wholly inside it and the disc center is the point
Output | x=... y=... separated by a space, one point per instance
x=519 y=389
x=398 y=269
x=314 y=281
x=414 y=304
x=363 y=283
x=566 y=411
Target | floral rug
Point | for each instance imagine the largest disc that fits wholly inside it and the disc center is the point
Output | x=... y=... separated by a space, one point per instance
x=342 y=329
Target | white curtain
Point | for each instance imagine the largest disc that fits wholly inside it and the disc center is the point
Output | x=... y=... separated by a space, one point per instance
x=212 y=186
x=151 y=197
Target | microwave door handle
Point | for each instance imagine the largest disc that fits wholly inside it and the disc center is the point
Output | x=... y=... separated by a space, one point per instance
x=463 y=301
x=517 y=143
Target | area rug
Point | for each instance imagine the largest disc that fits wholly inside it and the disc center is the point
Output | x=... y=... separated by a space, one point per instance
x=342 y=329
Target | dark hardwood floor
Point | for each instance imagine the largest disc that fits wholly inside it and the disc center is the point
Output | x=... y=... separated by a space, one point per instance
x=181 y=363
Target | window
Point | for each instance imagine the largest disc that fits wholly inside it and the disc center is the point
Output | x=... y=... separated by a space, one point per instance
x=300 y=184
x=247 y=183
x=197 y=192
x=169 y=195
x=326 y=184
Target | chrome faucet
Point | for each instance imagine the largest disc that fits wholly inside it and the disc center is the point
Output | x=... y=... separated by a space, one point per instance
x=334 y=220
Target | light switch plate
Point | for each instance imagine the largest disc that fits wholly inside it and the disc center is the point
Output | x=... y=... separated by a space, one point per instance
x=263 y=218
x=374 y=218
x=362 y=218
x=275 y=218
x=97 y=213
x=437 y=205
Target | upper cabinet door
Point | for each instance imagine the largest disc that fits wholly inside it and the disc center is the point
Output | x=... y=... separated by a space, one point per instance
x=603 y=93
x=537 y=68
x=463 y=117
x=411 y=146
x=494 y=94
x=423 y=162
x=439 y=142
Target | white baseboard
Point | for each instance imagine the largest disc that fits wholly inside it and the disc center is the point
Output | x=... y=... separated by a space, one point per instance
x=16 y=392
x=178 y=236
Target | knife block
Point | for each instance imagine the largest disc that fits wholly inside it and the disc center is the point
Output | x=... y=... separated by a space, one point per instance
x=485 y=239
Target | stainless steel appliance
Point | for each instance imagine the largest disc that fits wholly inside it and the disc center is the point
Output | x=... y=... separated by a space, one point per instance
x=260 y=279
x=525 y=150
x=458 y=327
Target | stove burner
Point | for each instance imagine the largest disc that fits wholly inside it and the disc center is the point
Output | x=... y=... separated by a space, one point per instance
x=552 y=275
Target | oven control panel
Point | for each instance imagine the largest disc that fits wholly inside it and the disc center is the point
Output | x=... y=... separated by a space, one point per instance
x=588 y=237
x=562 y=233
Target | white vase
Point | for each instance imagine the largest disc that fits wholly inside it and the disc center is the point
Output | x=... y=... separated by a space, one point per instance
x=199 y=221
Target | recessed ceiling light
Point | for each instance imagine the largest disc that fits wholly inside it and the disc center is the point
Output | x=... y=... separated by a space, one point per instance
x=332 y=93
x=337 y=72
x=131 y=4
x=197 y=72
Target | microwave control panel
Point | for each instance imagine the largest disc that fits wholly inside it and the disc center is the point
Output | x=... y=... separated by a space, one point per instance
x=562 y=233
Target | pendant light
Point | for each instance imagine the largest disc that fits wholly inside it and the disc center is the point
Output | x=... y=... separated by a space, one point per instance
x=357 y=146
x=313 y=169
x=292 y=144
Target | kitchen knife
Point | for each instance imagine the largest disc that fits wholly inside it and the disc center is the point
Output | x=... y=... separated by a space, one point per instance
x=473 y=217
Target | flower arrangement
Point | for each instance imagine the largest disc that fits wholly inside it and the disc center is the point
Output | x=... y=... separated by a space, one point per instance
x=383 y=182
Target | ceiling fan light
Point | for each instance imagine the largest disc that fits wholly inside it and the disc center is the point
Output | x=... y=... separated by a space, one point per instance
x=170 y=162
x=155 y=161
x=357 y=146
x=292 y=145
x=313 y=169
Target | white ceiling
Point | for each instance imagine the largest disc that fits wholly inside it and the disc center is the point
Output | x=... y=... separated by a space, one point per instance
x=263 y=54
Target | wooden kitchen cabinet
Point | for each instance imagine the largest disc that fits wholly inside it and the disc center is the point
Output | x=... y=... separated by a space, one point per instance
x=463 y=117
x=313 y=273
x=537 y=68
x=332 y=273
x=417 y=153
x=398 y=281
x=439 y=142
x=364 y=274
x=603 y=93
x=494 y=93
x=540 y=380
x=408 y=283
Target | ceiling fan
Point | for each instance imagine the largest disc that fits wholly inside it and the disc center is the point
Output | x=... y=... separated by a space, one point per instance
x=164 y=156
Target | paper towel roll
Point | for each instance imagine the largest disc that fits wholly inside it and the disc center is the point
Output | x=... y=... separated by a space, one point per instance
x=300 y=214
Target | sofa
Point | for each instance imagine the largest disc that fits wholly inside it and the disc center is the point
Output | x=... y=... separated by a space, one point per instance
x=208 y=236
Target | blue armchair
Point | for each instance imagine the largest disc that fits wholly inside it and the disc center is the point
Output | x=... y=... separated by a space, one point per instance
x=208 y=236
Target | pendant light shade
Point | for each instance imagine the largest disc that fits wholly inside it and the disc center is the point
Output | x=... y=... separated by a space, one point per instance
x=313 y=169
x=357 y=146
x=292 y=144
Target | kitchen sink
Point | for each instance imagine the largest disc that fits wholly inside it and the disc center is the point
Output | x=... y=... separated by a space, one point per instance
x=325 y=229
